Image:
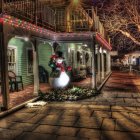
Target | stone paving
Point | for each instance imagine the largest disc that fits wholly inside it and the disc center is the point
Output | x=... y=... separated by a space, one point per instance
x=21 y=96
x=113 y=115
x=121 y=89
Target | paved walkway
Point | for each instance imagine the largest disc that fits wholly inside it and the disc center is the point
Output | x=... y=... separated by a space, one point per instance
x=113 y=115
x=122 y=89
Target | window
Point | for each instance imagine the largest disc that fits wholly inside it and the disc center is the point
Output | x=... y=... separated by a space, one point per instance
x=29 y=61
x=11 y=53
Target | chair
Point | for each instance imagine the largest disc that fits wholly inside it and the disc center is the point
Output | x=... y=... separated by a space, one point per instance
x=43 y=74
x=15 y=81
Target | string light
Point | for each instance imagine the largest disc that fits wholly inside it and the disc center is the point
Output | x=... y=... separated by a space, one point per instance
x=31 y=27
x=1 y=20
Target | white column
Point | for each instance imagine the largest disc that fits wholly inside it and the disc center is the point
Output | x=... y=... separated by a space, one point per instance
x=35 y=72
x=139 y=62
x=93 y=66
x=102 y=62
x=93 y=71
x=131 y=62
x=130 y=59
x=99 y=63
x=67 y=18
x=108 y=63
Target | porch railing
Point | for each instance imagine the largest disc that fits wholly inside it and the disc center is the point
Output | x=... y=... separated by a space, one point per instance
x=33 y=11
x=39 y=13
x=79 y=19
x=59 y=19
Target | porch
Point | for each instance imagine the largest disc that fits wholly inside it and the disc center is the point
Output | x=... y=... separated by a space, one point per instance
x=18 y=97
x=21 y=96
x=29 y=46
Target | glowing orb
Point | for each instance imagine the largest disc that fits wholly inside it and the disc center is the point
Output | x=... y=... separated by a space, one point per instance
x=60 y=82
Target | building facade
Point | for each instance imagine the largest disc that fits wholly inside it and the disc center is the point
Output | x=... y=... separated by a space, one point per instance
x=29 y=30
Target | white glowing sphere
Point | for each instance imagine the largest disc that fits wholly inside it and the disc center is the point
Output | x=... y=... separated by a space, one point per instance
x=61 y=81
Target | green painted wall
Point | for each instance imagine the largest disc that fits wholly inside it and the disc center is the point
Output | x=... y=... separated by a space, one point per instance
x=21 y=47
x=68 y=49
x=44 y=54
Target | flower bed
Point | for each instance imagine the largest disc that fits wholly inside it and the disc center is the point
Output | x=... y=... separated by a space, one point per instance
x=70 y=94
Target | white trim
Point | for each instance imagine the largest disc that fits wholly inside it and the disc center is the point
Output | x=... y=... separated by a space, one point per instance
x=16 y=59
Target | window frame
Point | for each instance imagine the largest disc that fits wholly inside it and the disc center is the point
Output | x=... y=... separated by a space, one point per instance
x=16 y=62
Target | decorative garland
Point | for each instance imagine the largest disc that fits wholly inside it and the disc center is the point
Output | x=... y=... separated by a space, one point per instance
x=31 y=27
x=23 y=24
x=69 y=94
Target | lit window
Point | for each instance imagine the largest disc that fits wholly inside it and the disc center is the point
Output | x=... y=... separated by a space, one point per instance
x=11 y=53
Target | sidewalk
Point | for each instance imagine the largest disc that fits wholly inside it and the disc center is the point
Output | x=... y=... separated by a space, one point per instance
x=122 y=89
x=113 y=115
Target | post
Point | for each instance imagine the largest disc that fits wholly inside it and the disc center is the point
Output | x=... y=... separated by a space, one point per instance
x=3 y=64
x=102 y=62
x=139 y=63
x=130 y=68
x=35 y=69
x=93 y=63
x=67 y=19
x=35 y=57
x=99 y=64
x=107 y=62
x=131 y=62
x=35 y=11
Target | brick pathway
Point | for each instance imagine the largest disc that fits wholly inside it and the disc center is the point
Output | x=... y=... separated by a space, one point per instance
x=122 y=89
x=16 y=98
x=113 y=115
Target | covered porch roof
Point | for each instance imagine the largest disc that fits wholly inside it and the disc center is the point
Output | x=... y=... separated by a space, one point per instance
x=54 y=36
x=103 y=41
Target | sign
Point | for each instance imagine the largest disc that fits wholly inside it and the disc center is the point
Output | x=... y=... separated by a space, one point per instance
x=114 y=53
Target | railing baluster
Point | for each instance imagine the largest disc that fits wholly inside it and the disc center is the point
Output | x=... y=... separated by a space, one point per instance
x=23 y=2
x=25 y=9
x=32 y=5
x=28 y=7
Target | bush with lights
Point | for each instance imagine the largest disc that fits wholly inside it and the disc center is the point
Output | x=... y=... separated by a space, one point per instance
x=69 y=94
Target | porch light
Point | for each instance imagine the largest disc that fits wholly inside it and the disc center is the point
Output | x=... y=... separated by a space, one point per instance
x=85 y=45
x=26 y=39
x=104 y=51
x=100 y=50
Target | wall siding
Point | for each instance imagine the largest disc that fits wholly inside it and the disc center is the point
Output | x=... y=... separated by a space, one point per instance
x=44 y=54
x=21 y=47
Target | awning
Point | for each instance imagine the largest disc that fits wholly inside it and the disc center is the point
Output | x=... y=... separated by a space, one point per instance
x=102 y=41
